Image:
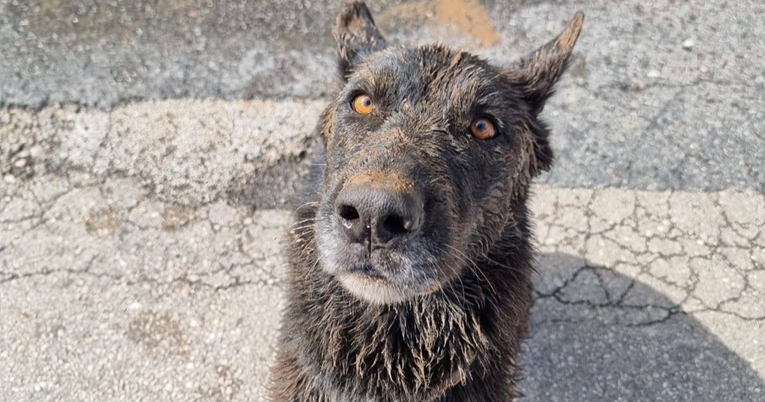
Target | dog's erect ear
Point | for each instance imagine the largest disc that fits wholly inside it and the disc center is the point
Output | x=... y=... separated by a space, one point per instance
x=535 y=76
x=538 y=72
x=356 y=35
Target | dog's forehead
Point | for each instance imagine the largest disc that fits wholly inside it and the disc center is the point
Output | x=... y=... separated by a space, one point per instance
x=430 y=69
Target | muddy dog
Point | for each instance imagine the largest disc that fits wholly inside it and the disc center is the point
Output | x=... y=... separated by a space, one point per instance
x=410 y=265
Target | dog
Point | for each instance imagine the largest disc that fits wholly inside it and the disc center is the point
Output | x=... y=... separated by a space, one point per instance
x=410 y=264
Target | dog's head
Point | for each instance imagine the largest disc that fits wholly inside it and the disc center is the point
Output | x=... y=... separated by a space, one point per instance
x=427 y=148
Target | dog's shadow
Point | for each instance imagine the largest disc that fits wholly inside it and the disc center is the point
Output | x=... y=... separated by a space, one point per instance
x=601 y=350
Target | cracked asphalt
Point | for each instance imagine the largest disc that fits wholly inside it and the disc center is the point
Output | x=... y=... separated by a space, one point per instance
x=146 y=167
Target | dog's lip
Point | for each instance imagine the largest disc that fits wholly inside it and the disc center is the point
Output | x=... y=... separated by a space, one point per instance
x=369 y=273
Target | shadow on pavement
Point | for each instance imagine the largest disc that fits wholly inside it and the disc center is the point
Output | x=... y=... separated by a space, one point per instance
x=585 y=351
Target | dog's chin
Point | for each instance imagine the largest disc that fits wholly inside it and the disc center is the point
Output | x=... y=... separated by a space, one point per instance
x=373 y=289
x=382 y=289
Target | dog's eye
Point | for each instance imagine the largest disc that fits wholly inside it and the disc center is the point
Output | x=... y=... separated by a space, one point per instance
x=363 y=104
x=482 y=128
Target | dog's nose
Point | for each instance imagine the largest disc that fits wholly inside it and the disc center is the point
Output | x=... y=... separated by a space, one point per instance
x=378 y=214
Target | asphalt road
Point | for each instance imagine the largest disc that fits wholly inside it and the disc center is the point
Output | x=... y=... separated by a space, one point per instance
x=663 y=95
x=148 y=150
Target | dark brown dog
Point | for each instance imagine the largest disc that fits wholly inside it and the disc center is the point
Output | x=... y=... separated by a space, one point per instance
x=411 y=262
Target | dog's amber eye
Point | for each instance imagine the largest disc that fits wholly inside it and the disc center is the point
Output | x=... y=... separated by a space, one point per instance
x=363 y=104
x=482 y=128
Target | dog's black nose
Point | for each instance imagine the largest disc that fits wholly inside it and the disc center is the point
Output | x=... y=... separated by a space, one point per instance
x=377 y=213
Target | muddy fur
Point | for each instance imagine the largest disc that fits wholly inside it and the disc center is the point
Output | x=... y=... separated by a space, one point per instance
x=462 y=281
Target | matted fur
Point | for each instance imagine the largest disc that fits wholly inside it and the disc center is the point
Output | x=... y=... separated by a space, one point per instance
x=456 y=340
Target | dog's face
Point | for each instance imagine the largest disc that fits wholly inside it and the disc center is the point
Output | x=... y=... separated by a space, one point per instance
x=427 y=148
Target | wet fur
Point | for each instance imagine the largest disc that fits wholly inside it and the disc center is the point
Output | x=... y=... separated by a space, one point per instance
x=458 y=344
x=459 y=340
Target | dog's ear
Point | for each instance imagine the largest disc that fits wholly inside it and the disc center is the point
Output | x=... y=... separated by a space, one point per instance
x=356 y=35
x=537 y=73
x=535 y=77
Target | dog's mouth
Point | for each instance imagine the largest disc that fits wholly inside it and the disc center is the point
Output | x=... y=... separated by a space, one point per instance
x=374 y=284
x=386 y=276
x=374 y=289
x=368 y=272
